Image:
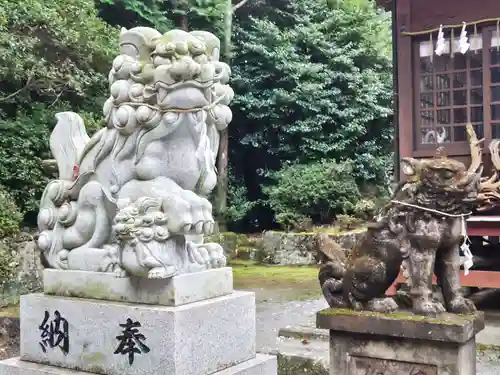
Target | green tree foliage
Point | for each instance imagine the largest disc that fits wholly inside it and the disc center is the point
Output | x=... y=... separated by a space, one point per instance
x=312 y=83
x=318 y=191
x=130 y=13
x=315 y=85
x=164 y=15
x=238 y=204
x=55 y=56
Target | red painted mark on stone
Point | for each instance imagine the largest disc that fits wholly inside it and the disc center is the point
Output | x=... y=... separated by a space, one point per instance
x=76 y=171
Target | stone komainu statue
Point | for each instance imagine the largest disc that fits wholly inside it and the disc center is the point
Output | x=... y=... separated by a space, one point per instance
x=422 y=228
x=132 y=198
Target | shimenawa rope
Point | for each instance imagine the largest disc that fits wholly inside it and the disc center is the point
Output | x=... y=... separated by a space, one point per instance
x=468 y=263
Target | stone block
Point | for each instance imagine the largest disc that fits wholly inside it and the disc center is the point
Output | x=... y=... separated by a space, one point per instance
x=117 y=338
x=260 y=365
x=401 y=343
x=176 y=291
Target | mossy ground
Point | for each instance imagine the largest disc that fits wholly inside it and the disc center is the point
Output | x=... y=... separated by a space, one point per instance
x=281 y=283
x=11 y=311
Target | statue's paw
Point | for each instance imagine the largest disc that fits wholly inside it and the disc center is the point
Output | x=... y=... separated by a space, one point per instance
x=336 y=301
x=461 y=305
x=382 y=305
x=215 y=254
x=188 y=213
x=332 y=286
x=162 y=272
x=332 y=289
x=119 y=272
x=201 y=255
x=353 y=303
x=425 y=307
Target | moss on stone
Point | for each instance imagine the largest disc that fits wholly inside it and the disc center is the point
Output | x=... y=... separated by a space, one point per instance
x=244 y=252
x=235 y=245
x=335 y=231
x=94 y=357
x=452 y=319
x=483 y=348
x=90 y=288
x=297 y=365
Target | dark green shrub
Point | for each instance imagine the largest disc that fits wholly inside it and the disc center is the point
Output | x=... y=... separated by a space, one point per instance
x=365 y=209
x=318 y=191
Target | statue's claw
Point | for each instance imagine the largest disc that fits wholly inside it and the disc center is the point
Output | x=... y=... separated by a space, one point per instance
x=382 y=305
x=461 y=305
x=162 y=272
x=425 y=307
x=188 y=213
x=120 y=272
x=209 y=254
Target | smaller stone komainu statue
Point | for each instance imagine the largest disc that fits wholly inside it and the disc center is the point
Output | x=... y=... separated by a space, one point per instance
x=132 y=198
x=422 y=228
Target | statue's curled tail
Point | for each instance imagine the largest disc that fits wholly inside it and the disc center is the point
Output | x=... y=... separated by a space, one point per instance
x=331 y=274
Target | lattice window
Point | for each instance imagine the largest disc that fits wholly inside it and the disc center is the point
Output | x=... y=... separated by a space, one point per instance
x=449 y=93
x=494 y=83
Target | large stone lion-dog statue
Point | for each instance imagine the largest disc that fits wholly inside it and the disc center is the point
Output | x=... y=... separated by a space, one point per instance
x=132 y=199
x=422 y=226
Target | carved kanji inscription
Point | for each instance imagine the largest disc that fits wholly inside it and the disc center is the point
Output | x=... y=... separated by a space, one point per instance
x=376 y=366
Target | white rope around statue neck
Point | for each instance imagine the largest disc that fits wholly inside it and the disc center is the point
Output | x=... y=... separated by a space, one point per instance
x=468 y=262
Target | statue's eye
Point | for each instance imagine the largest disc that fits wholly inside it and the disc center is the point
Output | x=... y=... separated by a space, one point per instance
x=447 y=174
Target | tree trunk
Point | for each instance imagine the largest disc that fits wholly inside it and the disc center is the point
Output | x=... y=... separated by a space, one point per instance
x=222 y=183
x=221 y=191
x=184 y=22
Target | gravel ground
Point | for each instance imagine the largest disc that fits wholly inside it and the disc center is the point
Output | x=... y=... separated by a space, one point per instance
x=273 y=315
x=488 y=364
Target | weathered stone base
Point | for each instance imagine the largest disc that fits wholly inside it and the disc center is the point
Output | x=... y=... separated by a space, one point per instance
x=194 y=339
x=400 y=344
x=176 y=291
x=260 y=365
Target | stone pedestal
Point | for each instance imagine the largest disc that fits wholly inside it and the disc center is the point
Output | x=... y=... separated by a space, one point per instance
x=401 y=343
x=178 y=290
x=181 y=326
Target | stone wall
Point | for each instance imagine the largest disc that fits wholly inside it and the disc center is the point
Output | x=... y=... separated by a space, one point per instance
x=280 y=248
x=21 y=270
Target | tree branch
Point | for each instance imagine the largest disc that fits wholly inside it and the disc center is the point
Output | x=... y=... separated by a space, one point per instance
x=56 y=99
x=10 y=96
x=239 y=5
